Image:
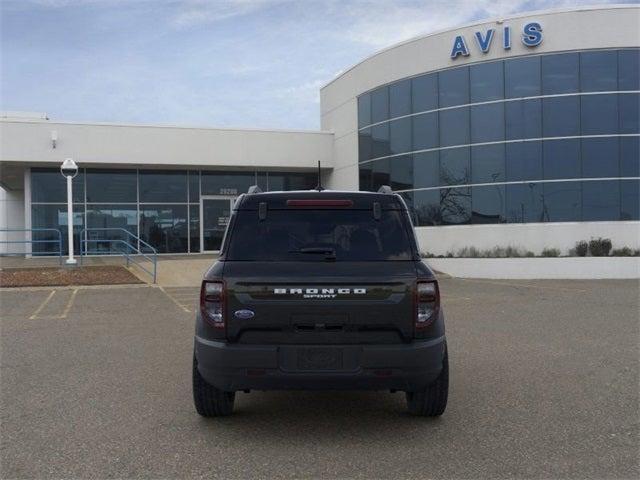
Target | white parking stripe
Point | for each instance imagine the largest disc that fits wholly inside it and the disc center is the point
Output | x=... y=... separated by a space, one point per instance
x=46 y=300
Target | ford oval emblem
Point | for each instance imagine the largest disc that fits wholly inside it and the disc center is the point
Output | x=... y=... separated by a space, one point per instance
x=244 y=314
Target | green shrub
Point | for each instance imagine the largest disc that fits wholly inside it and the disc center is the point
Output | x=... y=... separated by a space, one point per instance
x=581 y=248
x=550 y=252
x=600 y=247
x=529 y=253
x=427 y=255
x=622 y=252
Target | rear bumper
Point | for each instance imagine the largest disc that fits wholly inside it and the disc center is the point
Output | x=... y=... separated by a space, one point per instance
x=407 y=367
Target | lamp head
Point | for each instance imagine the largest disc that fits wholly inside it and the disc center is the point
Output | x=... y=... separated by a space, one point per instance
x=69 y=168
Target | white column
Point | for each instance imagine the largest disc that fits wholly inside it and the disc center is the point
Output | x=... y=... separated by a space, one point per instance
x=70 y=260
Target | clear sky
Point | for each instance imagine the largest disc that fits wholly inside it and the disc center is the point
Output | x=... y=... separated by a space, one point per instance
x=227 y=63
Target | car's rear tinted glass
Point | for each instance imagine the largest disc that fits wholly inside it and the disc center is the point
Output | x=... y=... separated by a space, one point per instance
x=319 y=235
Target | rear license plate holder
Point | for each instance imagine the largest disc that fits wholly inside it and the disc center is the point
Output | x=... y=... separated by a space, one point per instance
x=319 y=359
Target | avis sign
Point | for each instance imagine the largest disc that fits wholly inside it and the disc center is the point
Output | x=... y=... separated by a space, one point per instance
x=531 y=37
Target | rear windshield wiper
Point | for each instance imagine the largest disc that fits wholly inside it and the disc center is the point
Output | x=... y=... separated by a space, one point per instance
x=330 y=253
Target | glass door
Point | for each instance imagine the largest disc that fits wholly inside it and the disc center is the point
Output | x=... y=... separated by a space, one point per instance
x=215 y=212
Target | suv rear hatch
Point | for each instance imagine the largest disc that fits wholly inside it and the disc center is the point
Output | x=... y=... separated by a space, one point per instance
x=305 y=271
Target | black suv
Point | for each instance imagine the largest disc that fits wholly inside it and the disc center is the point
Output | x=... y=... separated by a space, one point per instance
x=320 y=290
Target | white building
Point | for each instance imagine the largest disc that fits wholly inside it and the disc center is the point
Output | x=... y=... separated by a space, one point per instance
x=520 y=131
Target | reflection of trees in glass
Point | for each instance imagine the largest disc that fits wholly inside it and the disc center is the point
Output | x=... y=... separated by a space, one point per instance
x=428 y=214
x=455 y=205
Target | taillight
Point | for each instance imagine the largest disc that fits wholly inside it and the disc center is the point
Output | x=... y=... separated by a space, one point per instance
x=212 y=303
x=427 y=303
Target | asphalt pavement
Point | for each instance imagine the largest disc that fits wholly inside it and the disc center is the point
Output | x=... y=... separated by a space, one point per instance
x=96 y=383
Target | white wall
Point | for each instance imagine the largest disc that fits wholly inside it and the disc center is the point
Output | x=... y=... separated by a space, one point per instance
x=107 y=144
x=530 y=236
x=11 y=216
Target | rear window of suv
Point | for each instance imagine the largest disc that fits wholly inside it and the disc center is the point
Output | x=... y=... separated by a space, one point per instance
x=319 y=235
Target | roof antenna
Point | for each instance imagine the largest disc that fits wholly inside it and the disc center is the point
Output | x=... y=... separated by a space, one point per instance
x=319 y=187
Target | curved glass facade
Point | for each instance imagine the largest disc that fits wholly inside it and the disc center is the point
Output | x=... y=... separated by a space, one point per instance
x=541 y=138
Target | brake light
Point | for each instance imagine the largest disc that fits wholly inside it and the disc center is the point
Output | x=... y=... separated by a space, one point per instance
x=319 y=203
x=212 y=303
x=427 y=303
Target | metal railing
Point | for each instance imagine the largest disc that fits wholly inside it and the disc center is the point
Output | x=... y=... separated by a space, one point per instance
x=131 y=248
x=31 y=241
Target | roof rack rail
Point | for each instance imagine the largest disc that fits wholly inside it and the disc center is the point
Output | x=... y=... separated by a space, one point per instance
x=385 y=189
x=254 y=189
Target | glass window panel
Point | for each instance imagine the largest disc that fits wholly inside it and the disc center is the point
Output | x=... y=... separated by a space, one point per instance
x=600 y=201
x=523 y=119
x=524 y=203
x=453 y=87
x=365 y=145
x=488 y=204
x=194 y=228
x=263 y=182
x=561 y=116
x=226 y=183
x=365 y=176
x=380 y=105
x=454 y=166
x=292 y=181
x=54 y=216
x=629 y=113
x=425 y=131
x=630 y=200
x=561 y=202
x=165 y=227
x=600 y=157
x=400 y=98
x=599 y=71
x=380 y=173
x=487 y=81
x=114 y=218
x=163 y=186
x=523 y=161
x=487 y=123
x=561 y=159
x=629 y=69
x=560 y=73
x=364 y=110
x=194 y=186
x=112 y=186
x=380 y=141
x=522 y=77
x=402 y=172
x=424 y=92
x=455 y=205
x=48 y=185
x=400 y=135
x=487 y=164
x=599 y=114
x=454 y=127
x=630 y=156
x=426 y=207
x=426 y=169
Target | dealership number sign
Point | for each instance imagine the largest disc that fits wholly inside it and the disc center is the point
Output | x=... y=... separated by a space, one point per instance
x=531 y=37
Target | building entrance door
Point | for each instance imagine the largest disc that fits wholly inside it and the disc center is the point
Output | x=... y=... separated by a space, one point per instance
x=215 y=212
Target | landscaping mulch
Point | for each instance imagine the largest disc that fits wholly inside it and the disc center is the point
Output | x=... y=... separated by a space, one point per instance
x=58 y=276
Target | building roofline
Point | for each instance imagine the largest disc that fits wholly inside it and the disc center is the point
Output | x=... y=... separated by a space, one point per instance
x=167 y=126
x=416 y=38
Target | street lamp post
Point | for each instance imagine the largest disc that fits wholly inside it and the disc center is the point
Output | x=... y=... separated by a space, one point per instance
x=69 y=169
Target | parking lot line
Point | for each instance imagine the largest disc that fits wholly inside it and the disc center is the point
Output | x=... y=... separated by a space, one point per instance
x=174 y=300
x=525 y=285
x=69 y=303
x=42 y=305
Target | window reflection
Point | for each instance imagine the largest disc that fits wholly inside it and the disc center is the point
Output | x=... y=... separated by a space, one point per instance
x=597 y=155
x=598 y=71
x=486 y=81
x=630 y=200
x=426 y=207
x=599 y=114
x=629 y=113
x=523 y=119
x=402 y=172
x=49 y=186
x=380 y=105
x=112 y=186
x=424 y=90
x=400 y=98
x=453 y=87
x=455 y=166
x=629 y=69
x=455 y=205
x=600 y=201
x=522 y=77
x=561 y=116
x=110 y=220
x=524 y=203
x=561 y=202
x=454 y=127
x=487 y=164
x=163 y=186
x=426 y=169
x=523 y=161
x=55 y=217
x=165 y=227
x=364 y=110
x=560 y=73
x=400 y=135
x=561 y=159
x=380 y=140
x=487 y=123
x=365 y=145
x=425 y=131
x=488 y=204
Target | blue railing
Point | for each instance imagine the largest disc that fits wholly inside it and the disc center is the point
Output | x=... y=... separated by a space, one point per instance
x=132 y=247
x=57 y=241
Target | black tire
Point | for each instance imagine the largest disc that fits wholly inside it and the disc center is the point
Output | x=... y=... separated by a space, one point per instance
x=432 y=401
x=210 y=401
